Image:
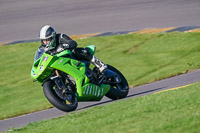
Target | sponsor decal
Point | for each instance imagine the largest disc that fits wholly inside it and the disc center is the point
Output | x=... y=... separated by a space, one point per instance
x=60 y=61
x=45 y=58
x=41 y=68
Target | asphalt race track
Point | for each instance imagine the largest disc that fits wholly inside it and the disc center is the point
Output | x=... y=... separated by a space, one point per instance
x=22 y=20
x=166 y=84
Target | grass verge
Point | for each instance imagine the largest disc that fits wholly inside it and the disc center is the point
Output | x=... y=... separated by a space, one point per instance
x=142 y=58
x=173 y=111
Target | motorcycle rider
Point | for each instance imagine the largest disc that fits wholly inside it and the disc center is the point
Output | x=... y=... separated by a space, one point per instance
x=52 y=43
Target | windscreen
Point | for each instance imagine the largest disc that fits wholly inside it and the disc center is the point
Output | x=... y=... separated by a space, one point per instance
x=38 y=54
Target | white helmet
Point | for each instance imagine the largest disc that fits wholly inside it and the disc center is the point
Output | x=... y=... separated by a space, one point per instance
x=47 y=32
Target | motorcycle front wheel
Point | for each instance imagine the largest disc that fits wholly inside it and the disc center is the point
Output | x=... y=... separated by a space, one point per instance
x=58 y=102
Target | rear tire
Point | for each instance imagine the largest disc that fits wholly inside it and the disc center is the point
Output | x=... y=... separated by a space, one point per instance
x=120 y=90
x=55 y=100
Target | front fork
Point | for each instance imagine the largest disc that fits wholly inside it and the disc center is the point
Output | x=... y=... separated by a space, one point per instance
x=61 y=89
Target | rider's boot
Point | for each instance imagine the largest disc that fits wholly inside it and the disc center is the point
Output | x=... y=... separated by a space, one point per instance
x=99 y=64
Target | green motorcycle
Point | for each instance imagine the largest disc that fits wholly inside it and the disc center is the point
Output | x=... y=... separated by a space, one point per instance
x=67 y=81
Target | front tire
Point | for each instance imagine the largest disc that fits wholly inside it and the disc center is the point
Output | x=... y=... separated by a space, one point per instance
x=55 y=100
x=118 y=91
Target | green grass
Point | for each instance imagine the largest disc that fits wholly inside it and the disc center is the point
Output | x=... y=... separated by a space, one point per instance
x=142 y=58
x=176 y=111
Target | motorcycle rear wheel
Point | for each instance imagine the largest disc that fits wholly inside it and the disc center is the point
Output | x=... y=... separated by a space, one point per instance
x=118 y=91
x=56 y=101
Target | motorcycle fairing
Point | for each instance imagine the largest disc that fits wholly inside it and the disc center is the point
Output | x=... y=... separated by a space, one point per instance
x=92 y=92
x=40 y=69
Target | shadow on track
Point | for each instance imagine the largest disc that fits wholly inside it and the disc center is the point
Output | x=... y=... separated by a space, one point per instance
x=129 y=96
